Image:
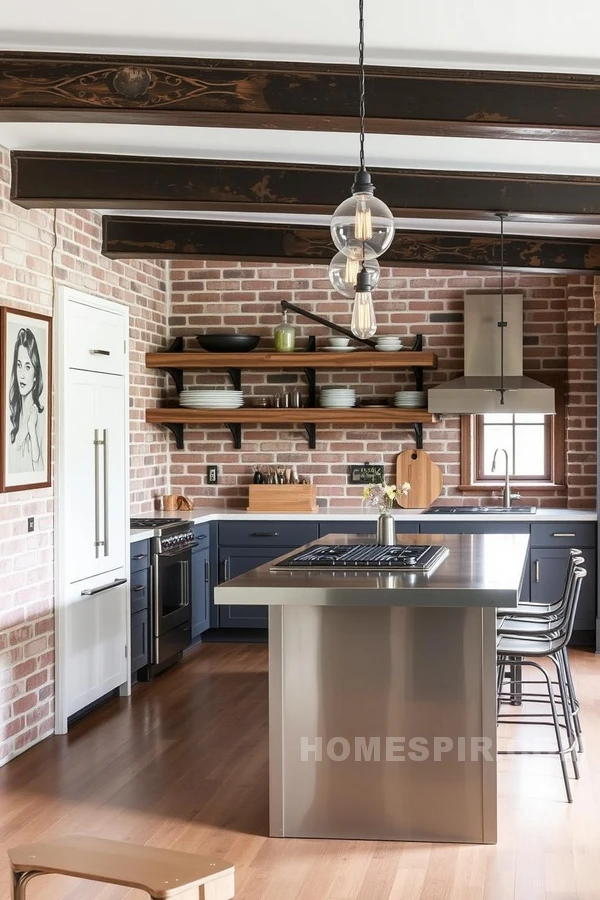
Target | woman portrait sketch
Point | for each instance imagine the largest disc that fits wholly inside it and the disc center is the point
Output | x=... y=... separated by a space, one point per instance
x=25 y=399
x=27 y=384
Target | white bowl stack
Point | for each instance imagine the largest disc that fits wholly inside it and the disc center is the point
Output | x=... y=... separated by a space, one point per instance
x=410 y=399
x=337 y=398
x=211 y=398
x=388 y=342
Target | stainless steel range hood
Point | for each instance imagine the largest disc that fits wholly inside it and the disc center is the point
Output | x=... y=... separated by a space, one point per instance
x=477 y=391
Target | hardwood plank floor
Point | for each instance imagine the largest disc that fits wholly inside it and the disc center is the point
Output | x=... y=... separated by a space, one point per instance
x=183 y=764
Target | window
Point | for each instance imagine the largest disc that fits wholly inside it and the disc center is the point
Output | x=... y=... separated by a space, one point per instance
x=534 y=444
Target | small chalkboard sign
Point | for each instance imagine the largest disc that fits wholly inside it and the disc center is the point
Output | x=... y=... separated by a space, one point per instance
x=365 y=474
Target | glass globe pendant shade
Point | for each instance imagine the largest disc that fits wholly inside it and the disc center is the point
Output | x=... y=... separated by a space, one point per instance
x=364 y=324
x=362 y=226
x=343 y=272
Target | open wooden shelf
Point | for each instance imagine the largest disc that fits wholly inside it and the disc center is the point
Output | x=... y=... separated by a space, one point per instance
x=175 y=418
x=197 y=360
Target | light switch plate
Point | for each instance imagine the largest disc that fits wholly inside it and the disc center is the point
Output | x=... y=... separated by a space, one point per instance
x=212 y=474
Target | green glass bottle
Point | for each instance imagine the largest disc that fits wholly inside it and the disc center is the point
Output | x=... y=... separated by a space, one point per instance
x=285 y=336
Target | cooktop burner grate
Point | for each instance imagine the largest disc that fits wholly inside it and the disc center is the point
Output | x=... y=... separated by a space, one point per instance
x=415 y=557
x=152 y=523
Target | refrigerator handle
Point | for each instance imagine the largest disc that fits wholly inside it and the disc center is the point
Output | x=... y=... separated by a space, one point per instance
x=105 y=458
x=97 y=542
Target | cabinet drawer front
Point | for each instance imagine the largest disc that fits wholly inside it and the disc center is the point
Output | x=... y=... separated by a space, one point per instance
x=139 y=590
x=202 y=533
x=140 y=556
x=267 y=534
x=563 y=534
x=95 y=340
x=368 y=527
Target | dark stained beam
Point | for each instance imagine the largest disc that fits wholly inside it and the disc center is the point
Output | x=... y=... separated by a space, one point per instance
x=297 y=96
x=75 y=180
x=156 y=238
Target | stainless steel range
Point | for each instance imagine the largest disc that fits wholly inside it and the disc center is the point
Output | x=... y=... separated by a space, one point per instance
x=411 y=557
x=171 y=557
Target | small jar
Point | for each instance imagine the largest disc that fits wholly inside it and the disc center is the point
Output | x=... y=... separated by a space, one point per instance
x=285 y=336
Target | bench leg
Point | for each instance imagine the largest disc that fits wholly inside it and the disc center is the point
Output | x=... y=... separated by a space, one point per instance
x=19 y=882
x=221 y=888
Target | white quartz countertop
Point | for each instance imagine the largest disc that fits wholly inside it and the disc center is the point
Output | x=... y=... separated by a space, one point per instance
x=360 y=513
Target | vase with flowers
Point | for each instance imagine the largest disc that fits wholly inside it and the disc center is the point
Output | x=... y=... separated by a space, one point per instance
x=383 y=496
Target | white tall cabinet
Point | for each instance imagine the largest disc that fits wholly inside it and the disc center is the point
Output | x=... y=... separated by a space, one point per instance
x=92 y=505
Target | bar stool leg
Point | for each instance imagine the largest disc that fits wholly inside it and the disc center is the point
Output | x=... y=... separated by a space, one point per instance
x=573 y=696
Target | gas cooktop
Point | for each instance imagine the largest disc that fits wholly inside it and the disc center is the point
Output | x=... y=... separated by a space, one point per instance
x=413 y=557
x=152 y=522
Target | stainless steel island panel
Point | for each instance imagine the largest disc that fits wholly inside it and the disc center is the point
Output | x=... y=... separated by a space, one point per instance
x=378 y=675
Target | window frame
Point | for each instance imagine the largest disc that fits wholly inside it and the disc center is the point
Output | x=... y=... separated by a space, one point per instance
x=471 y=449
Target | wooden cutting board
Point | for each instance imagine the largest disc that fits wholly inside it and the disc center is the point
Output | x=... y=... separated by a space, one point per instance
x=424 y=477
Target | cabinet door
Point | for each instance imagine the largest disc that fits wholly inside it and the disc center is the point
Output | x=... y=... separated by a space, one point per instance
x=95 y=339
x=548 y=572
x=232 y=564
x=200 y=591
x=96 y=639
x=95 y=485
x=139 y=640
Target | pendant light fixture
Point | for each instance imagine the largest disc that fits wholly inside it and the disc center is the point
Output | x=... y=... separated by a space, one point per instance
x=362 y=227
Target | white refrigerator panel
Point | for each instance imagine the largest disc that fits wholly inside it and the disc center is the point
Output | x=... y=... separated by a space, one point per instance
x=96 y=475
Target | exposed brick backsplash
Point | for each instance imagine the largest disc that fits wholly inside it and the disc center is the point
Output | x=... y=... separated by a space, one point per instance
x=559 y=336
x=29 y=270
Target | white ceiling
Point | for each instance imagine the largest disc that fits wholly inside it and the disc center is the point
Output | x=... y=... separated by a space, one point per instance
x=533 y=35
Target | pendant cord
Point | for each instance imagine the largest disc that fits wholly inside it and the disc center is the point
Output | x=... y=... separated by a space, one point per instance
x=361 y=77
x=502 y=322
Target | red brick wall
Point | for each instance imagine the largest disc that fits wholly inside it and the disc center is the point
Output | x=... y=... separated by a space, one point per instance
x=29 y=269
x=559 y=336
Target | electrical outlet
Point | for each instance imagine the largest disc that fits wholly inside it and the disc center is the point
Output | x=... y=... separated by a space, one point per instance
x=30 y=523
x=212 y=474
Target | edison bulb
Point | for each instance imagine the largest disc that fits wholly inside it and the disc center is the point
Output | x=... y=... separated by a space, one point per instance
x=364 y=324
x=362 y=226
x=343 y=272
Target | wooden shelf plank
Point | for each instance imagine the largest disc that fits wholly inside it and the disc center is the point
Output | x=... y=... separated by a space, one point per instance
x=196 y=360
x=258 y=416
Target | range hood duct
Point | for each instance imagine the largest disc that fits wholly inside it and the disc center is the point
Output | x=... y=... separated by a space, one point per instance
x=477 y=391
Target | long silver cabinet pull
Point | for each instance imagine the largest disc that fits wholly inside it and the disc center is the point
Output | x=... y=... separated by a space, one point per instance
x=100 y=352
x=563 y=534
x=97 y=541
x=226 y=570
x=105 y=587
x=206 y=570
x=537 y=571
x=105 y=457
x=186 y=580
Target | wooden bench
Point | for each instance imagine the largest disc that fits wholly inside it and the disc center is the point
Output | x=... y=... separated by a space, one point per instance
x=164 y=874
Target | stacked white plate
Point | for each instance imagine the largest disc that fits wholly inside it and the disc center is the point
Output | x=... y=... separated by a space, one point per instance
x=410 y=399
x=337 y=398
x=213 y=398
x=388 y=342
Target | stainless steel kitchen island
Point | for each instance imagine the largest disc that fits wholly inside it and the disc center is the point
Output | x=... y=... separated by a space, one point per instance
x=382 y=691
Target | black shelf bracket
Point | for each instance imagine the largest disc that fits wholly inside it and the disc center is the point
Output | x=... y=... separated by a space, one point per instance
x=176 y=346
x=311 y=434
x=176 y=429
x=236 y=378
x=236 y=433
x=418 y=428
x=311 y=377
x=418 y=370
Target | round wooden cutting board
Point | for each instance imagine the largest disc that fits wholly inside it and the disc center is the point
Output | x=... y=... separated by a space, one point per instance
x=424 y=477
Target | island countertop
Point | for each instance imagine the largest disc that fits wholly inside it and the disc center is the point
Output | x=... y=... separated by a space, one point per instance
x=481 y=570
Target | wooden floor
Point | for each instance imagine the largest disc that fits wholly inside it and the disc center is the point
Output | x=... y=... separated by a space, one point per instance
x=183 y=764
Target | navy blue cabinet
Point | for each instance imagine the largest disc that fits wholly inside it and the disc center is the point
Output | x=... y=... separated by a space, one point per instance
x=548 y=572
x=234 y=563
x=200 y=581
x=139 y=592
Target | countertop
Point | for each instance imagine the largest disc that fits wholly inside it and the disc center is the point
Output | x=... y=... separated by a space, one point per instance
x=481 y=570
x=361 y=513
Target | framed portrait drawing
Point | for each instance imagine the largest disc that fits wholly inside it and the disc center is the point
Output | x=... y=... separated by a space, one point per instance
x=25 y=399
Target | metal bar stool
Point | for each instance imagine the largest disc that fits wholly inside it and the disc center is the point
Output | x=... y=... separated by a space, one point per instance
x=547 y=646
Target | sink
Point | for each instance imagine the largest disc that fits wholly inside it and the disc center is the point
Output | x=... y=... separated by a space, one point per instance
x=481 y=510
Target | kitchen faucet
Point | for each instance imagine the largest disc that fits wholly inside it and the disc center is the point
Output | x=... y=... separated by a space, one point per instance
x=507 y=496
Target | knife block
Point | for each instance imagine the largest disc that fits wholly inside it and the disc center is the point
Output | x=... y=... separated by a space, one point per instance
x=282 y=498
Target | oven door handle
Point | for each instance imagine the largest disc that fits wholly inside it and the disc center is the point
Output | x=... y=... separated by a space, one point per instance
x=169 y=553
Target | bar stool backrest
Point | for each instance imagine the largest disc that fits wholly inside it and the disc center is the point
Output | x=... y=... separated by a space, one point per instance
x=566 y=629
x=559 y=604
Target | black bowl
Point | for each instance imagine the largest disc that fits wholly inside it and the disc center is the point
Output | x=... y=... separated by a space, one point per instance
x=228 y=343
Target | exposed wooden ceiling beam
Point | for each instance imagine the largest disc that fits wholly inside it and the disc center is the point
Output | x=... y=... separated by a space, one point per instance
x=75 y=180
x=161 y=238
x=297 y=96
